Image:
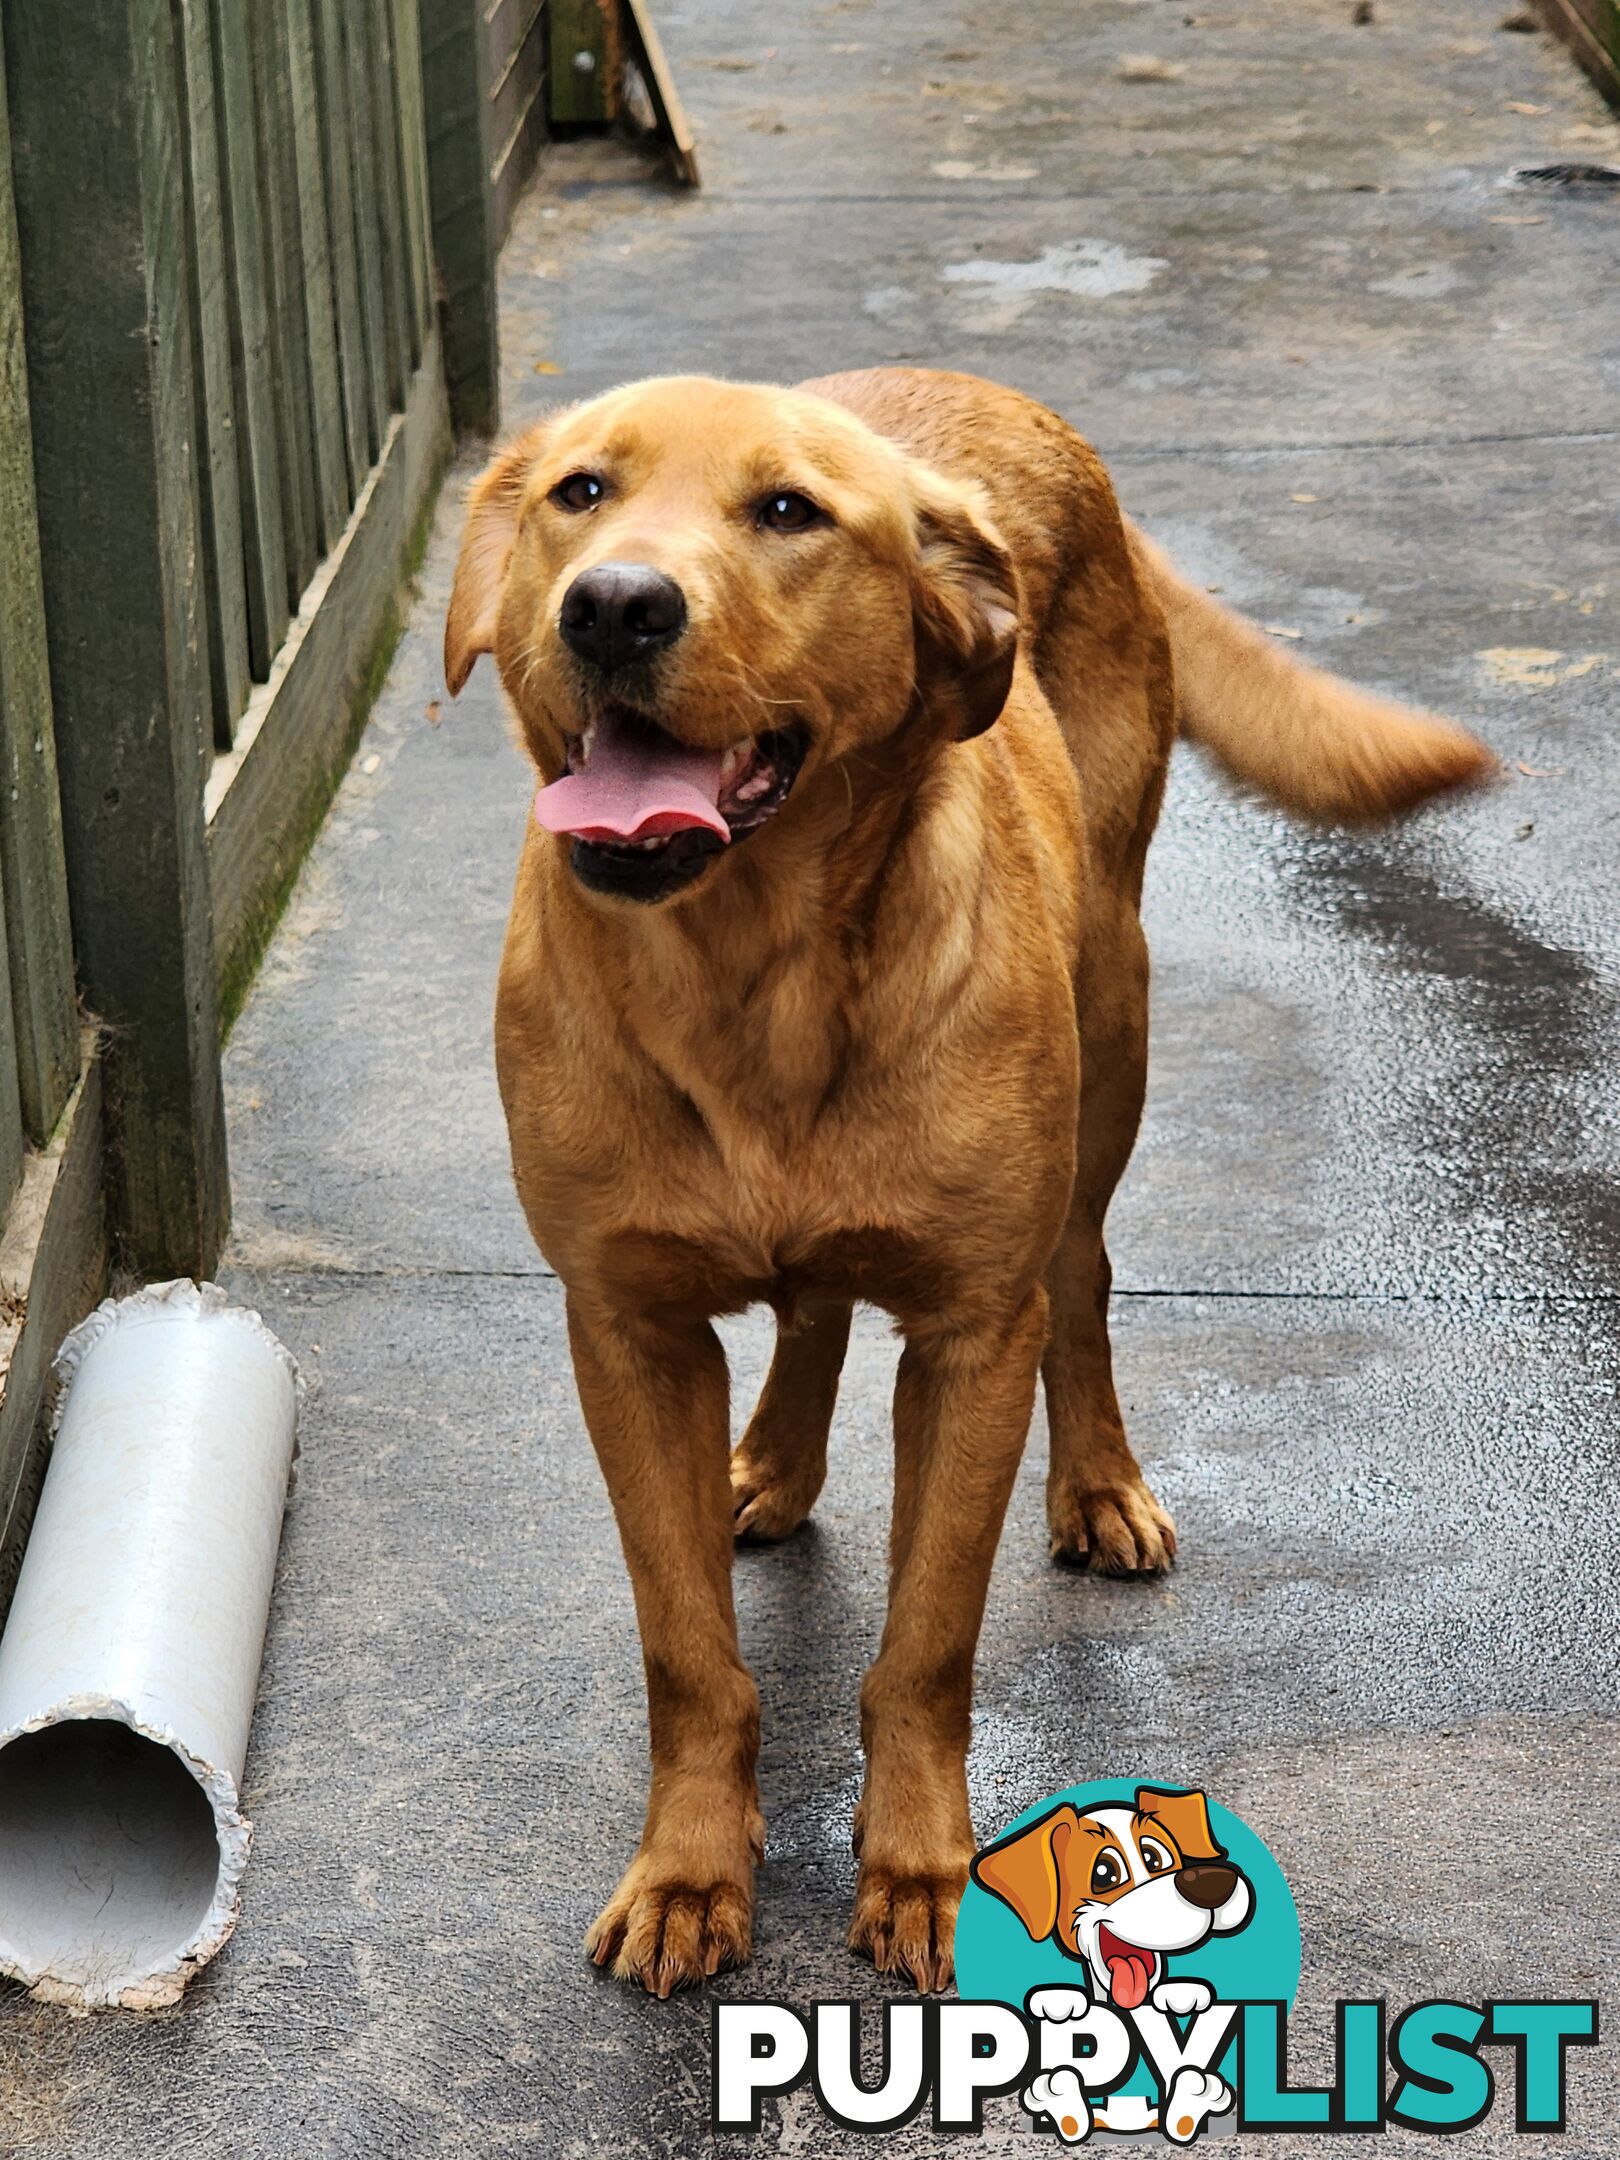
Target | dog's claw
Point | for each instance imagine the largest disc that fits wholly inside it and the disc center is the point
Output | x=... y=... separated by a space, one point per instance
x=1112 y=1530
x=907 y=1926
x=665 y=1936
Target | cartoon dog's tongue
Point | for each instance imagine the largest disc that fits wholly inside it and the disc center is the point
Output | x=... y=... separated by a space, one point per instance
x=1129 y=1970
x=637 y=784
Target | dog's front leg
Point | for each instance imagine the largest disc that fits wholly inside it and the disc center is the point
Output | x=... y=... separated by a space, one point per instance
x=655 y=1399
x=961 y=1414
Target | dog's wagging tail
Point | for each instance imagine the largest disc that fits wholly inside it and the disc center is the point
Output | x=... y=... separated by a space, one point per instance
x=1312 y=742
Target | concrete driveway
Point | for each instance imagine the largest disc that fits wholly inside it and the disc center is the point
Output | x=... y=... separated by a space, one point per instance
x=1366 y=1254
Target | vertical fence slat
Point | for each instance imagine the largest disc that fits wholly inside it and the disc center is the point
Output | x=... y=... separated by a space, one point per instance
x=11 y=1117
x=40 y=1010
x=258 y=447
x=363 y=145
x=325 y=391
x=407 y=38
x=337 y=164
x=220 y=485
x=97 y=157
x=289 y=332
x=386 y=197
x=455 y=78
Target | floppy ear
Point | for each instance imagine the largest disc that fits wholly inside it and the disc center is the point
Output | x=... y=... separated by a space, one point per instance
x=494 y=505
x=1186 y=1816
x=966 y=607
x=1026 y=1871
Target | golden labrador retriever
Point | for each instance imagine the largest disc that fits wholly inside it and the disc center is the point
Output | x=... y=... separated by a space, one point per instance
x=825 y=981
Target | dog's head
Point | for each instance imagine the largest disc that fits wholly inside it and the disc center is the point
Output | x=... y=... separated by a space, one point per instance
x=1120 y=1888
x=701 y=595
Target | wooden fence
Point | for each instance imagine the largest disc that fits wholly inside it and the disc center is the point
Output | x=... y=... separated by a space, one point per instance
x=237 y=240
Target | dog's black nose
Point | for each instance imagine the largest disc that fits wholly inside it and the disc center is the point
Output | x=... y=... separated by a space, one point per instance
x=1207 y=1884
x=621 y=612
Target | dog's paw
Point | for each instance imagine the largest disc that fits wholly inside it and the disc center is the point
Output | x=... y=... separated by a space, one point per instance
x=1061 y=2098
x=665 y=1934
x=906 y=1924
x=1193 y=2097
x=1182 y=1998
x=769 y=1501
x=1112 y=1530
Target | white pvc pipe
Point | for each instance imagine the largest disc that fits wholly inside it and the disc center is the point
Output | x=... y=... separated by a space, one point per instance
x=130 y=1659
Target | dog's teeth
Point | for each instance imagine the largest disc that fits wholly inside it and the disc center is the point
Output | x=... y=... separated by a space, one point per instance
x=586 y=741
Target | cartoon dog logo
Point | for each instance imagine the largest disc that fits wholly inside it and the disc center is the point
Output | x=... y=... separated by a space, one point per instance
x=1120 y=1889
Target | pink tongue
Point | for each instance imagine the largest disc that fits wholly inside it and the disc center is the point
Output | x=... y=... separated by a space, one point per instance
x=1129 y=1972
x=637 y=785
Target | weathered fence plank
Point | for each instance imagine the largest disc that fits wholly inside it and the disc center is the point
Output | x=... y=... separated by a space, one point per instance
x=33 y=883
x=252 y=357
x=337 y=158
x=386 y=197
x=455 y=70
x=363 y=145
x=289 y=331
x=97 y=158
x=223 y=569
x=325 y=391
x=11 y=1119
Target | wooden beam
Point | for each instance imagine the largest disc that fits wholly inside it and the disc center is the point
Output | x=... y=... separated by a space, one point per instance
x=585 y=62
x=97 y=157
x=455 y=89
x=33 y=883
x=1591 y=30
x=53 y=1267
x=647 y=50
x=266 y=800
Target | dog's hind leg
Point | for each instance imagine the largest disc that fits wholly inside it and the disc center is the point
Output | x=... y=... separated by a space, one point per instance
x=780 y=1465
x=1099 y=1508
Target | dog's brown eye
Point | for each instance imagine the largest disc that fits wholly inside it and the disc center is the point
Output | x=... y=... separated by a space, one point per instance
x=580 y=491
x=1154 y=1857
x=1106 y=1875
x=788 y=512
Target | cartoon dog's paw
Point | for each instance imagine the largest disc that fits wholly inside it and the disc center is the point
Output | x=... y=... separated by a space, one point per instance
x=1193 y=2097
x=1182 y=1998
x=1058 y=2005
x=1061 y=2098
x=1111 y=1529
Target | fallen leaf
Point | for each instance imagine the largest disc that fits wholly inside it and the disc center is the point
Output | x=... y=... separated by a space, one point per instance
x=1276 y=630
x=1540 y=772
x=434 y=710
x=1303 y=497
x=370 y=764
x=1531 y=112
x=547 y=367
x=1148 y=67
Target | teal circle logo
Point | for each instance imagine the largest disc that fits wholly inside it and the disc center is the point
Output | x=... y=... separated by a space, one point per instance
x=1120 y=1888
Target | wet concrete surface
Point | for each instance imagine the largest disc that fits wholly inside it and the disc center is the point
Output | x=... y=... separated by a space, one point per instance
x=1367 y=1250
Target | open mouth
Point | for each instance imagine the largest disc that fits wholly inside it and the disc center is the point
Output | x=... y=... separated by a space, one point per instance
x=1131 y=1970
x=646 y=811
